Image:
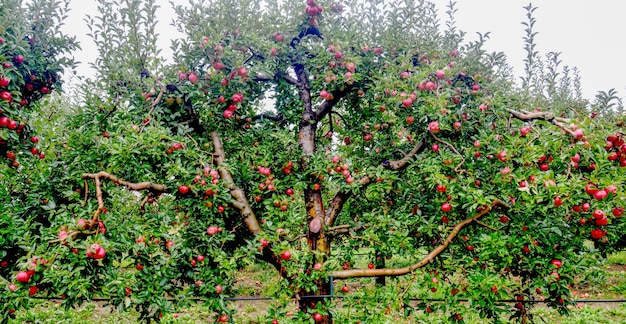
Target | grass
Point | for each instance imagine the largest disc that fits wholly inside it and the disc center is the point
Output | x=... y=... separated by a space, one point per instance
x=607 y=281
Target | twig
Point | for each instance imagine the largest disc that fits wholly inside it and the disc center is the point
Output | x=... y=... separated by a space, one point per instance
x=456 y=169
x=487 y=226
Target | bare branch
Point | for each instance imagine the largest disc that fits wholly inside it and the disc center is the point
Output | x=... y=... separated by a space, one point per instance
x=128 y=185
x=543 y=115
x=424 y=261
x=402 y=163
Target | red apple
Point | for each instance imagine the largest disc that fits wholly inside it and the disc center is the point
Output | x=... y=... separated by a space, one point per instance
x=434 y=127
x=598 y=213
x=286 y=255
x=446 y=207
x=22 y=277
x=183 y=190
x=600 y=194
x=317 y=317
x=556 y=262
x=597 y=234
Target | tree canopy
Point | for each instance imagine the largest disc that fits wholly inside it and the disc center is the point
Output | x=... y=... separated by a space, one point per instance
x=308 y=135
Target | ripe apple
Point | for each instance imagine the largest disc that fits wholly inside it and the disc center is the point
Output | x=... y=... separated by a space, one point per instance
x=556 y=262
x=286 y=255
x=218 y=289
x=618 y=211
x=289 y=192
x=317 y=317
x=524 y=130
x=22 y=277
x=600 y=194
x=345 y=289
x=4 y=82
x=446 y=207
x=591 y=188
x=317 y=266
x=183 y=190
x=370 y=266
x=410 y=120
x=212 y=230
x=434 y=127
x=597 y=234
x=597 y=214
x=578 y=134
x=558 y=201
x=504 y=219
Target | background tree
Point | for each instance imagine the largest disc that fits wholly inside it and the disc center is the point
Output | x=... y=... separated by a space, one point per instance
x=312 y=136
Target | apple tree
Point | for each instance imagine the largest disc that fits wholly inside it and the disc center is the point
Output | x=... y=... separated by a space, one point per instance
x=330 y=140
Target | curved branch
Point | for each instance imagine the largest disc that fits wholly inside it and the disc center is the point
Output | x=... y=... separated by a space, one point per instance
x=390 y=272
x=456 y=169
x=543 y=115
x=403 y=162
x=128 y=185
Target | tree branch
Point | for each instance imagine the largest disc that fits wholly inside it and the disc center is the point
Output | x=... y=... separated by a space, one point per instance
x=456 y=169
x=402 y=163
x=543 y=115
x=340 y=198
x=241 y=202
x=424 y=261
x=326 y=107
x=128 y=185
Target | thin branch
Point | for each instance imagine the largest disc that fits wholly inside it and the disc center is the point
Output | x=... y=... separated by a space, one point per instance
x=128 y=185
x=344 y=229
x=456 y=169
x=487 y=226
x=342 y=274
x=543 y=115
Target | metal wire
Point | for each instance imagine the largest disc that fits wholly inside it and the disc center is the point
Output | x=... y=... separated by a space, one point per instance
x=341 y=297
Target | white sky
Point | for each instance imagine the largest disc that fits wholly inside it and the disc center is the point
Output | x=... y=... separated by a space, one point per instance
x=587 y=33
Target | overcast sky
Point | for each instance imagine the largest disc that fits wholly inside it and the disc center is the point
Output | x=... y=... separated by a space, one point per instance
x=587 y=33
